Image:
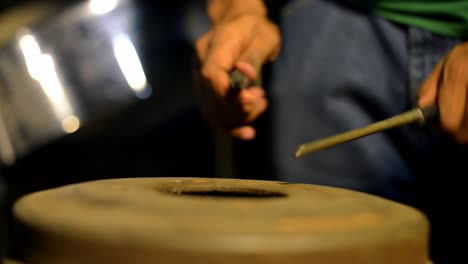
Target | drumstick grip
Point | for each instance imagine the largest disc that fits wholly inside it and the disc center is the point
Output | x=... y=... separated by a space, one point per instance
x=240 y=81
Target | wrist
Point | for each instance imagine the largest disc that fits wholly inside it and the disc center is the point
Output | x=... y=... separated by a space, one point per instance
x=222 y=10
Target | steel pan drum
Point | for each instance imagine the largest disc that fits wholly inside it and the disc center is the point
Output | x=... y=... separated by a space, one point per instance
x=205 y=220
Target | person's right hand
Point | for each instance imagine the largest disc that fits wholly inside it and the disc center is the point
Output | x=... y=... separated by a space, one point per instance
x=243 y=39
x=447 y=86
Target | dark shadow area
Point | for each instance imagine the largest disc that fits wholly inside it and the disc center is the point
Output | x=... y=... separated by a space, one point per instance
x=162 y=136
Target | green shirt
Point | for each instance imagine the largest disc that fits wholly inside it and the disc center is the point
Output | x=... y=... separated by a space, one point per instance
x=443 y=17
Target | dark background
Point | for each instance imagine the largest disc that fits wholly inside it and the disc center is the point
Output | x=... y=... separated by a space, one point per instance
x=163 y=136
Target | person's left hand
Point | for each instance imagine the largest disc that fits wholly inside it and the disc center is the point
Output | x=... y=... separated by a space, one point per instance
x=448 y=87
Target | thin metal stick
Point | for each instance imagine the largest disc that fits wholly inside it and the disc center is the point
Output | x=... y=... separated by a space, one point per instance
x=419 y=115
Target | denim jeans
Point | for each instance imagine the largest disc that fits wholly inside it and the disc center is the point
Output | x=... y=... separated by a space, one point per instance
x=340 y=69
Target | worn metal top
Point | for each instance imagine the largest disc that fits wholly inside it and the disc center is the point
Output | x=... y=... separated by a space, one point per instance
x=198 y=220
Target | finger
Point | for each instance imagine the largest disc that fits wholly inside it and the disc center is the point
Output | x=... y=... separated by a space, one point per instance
x=264 y=47
x=453 y=91
x=252 y=94
x=226 y=45
x=254 y=110
x=247 y=69
x=245 y=96
x=428 y=92
x=244 y=132
x=248 y=132
x=241 y=114
x=247 y=40
x=201 y=45
x=246 y=100
x=462 y=134
x=217 y=79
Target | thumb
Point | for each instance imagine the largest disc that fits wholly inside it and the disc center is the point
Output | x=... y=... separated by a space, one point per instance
x=427 y=94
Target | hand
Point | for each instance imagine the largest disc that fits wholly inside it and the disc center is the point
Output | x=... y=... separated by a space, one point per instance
x=238 y=40
x=448 y=87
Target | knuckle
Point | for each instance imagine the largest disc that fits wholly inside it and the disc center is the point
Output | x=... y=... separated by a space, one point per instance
x=207 y=72
x=272 y=32
x=276 y=40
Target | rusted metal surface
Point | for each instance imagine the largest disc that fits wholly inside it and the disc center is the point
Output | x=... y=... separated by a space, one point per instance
x=198 y=220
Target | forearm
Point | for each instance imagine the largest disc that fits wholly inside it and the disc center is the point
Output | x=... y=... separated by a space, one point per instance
x=227 y=9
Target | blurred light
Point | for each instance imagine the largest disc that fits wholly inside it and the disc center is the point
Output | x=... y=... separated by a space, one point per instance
x=130 y=64
x=52 y=87
x=32 y=55
x=41 y=67
x=70 y=124
x=100 y=7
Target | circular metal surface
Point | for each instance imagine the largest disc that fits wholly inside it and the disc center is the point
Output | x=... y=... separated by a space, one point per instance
x=201 y=220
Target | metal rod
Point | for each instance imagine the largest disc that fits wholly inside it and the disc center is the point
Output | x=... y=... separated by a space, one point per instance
x=416 y=115
x=240 y=81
